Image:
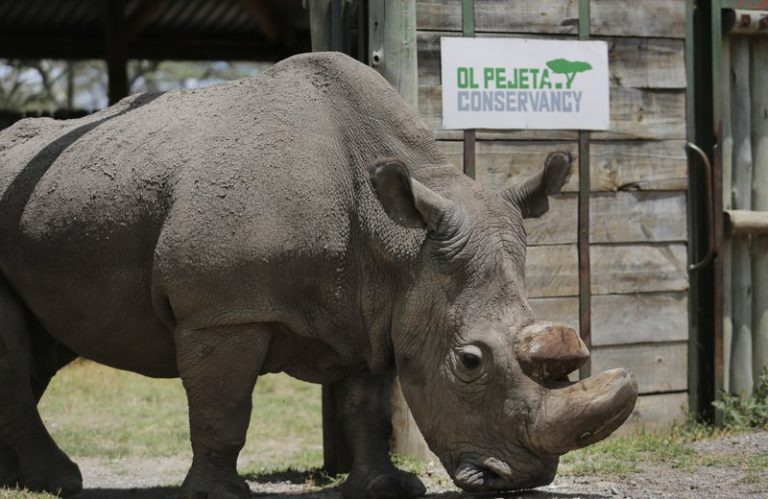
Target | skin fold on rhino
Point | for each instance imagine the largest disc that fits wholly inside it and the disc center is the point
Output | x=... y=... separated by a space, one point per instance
x=302 y=221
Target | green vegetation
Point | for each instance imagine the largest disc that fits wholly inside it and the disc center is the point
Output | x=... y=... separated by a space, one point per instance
x=95 y=411
x=23 y=494
x=742 y=413
x=625 y=453
x=48 y=85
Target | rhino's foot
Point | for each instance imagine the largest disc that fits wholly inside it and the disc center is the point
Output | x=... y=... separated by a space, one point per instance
x=54 y=473
x=9 y=467
x=232 y=487
x=382 y=483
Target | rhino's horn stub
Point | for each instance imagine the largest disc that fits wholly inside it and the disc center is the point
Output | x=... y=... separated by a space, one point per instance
x=549 y=351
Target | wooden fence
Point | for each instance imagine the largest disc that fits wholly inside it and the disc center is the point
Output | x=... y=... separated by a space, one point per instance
x=638 y=177
x=745 y=199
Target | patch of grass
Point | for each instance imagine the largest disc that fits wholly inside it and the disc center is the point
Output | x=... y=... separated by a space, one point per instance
x=624 y=454
x=755 y=469
x=23 y=494
x=409 y=463
x=96 y=411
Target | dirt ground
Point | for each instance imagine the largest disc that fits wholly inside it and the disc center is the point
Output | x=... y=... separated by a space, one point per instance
x=150 y=478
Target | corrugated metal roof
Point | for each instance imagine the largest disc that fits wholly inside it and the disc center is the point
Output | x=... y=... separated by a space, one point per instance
x=250 y=29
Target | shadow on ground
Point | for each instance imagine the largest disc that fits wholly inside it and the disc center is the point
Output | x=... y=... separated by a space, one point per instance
x=150 y=493
x=330 y=493
x=304 y=484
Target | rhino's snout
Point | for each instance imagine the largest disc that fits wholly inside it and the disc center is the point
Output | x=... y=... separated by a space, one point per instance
x=565 y=416
x=570 y=417
x=491 y=473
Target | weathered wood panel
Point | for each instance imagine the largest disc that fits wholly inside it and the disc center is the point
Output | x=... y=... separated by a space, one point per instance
x=635 y=114
x=726 y=153
x=647 y=18
x=623 y=319
x=741 y=278
x=616 y=269
x=620 y=217
x=525 y=16
x=658 y=367
x=632 y=62
x=645 y=114
x=760 y=202
x=639 y=165
x=646 y=62
x=656 y=412
x=642 y=165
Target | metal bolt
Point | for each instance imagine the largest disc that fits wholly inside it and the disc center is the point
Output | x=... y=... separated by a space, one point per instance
x=376 y=58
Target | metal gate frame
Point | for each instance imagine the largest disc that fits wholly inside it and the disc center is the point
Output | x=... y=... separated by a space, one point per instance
x=704 y=68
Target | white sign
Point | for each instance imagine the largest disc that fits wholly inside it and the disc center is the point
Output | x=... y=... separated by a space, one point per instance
x=522 y=83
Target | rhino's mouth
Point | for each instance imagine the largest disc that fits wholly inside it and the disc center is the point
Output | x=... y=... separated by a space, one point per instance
x=491 y=473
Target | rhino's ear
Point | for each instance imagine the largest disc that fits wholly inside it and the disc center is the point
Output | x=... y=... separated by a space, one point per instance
x=407 y=201
x=531 y=195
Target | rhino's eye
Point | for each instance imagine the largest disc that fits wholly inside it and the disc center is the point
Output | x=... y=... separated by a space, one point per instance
x=469 y=363
x=470 y=360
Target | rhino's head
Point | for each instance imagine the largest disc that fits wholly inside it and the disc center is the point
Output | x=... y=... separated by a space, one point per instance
x=486 y=382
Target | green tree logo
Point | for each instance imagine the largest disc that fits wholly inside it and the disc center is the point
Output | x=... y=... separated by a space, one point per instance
x=568 y=68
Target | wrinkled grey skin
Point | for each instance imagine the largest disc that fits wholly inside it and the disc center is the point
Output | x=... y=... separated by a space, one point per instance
x=302 y=221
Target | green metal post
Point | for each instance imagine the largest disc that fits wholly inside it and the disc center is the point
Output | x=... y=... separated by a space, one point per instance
x=585 y=297
x=717 y=187
x=468 y=30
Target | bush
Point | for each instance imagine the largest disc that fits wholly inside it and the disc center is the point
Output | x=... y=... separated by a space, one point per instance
x=745 y=413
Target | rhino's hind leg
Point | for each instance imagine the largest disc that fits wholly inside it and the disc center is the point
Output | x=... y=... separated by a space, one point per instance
x=42 y=465
x=9 y=467
x=219 y=367
x=366 y=416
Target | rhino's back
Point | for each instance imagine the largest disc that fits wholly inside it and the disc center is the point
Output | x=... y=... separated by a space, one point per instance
x=194 y=183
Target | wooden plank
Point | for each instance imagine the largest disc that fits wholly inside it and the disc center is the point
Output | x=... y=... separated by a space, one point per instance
x=635 y=114
x=645 y=114
x=632 y=62
x=741 y=352
x=525 y=16
x=658 y=367
x=726 y=155
x=656 y=412
x=616 y=269
x=646 y=62
x=649 y=18
x=759 y=86
x=620 y=217
x=639 y=165
x=392 y=46
x=623 y=319
x=642 y=165
x=742 y=222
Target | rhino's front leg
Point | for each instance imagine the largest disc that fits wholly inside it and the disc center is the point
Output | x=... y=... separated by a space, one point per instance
x=218 y=367
x=366 y=416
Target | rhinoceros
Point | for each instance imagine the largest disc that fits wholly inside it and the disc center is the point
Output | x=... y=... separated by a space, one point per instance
x=301 y=221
